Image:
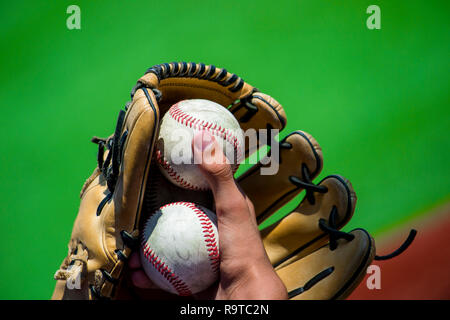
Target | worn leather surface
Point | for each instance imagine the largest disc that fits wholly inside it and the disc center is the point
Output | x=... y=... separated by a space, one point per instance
x=100 y=233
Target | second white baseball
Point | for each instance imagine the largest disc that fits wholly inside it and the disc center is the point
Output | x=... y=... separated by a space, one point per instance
x=178 y=127
x=180 y=248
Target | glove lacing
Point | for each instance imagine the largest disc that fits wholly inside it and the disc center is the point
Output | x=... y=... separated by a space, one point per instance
x=330 y=228
x=110 y=168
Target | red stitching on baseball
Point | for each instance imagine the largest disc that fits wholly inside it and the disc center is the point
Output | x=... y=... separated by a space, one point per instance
x=208 y=235
x=173 y=174
x=197 y=124
x=207 y=229
x=211 y=246
x=181 y=287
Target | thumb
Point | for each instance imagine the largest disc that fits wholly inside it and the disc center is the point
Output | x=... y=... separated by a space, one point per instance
x=209 y=157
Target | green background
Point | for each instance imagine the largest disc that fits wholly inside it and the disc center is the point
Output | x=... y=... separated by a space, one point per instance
x=377 y=101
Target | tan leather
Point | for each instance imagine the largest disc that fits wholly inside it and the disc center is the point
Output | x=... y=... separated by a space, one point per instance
x=175 y=86
x=349 y=263
x=100 y=235
x=269 y=115
x=271 y=192
x=299 y=231
x=270 y=112
x=292 y=243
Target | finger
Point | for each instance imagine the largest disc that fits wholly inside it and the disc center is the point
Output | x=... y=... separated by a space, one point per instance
x=138 y=276
x=250 y=205
x=134 y=262
x=236 y=223
x=216 y=169
x=140 y=280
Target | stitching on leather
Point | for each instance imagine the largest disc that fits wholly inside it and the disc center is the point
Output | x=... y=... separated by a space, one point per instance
x=192 y=70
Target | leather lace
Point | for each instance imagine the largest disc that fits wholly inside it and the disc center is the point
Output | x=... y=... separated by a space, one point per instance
x=331 y=227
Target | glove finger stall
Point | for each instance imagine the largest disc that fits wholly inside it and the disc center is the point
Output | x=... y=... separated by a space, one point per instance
x=346 y=266
x=269 y=193
x=300 y=232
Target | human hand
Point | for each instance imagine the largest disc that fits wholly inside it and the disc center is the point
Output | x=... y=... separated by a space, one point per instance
x=245 y=270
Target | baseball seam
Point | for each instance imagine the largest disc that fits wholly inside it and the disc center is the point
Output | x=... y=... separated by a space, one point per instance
x=211 y=246
x=207 y=230
x=194 y=123
x=208 y=235
x=173 y=174
x=188 y=120
x=179 y=285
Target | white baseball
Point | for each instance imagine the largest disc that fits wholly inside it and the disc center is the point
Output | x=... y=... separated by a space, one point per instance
x=178 y=127
x=180 y=248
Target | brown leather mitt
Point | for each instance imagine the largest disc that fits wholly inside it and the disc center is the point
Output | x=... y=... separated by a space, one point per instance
x=313 y=258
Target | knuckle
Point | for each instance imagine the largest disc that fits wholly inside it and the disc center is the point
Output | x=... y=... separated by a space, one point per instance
x=221 y=171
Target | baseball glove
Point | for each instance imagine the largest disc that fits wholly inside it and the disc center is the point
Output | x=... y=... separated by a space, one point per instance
x=312 y=257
